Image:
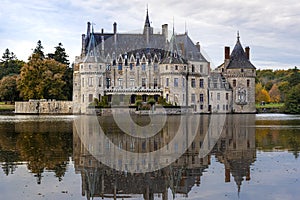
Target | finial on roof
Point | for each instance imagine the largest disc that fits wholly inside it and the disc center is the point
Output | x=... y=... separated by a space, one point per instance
x=173 y=26
x=238 y=35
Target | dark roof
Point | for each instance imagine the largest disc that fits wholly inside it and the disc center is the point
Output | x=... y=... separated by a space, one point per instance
x=190 y=50
x=93 y=53
x=173 y=56
x=238 y=58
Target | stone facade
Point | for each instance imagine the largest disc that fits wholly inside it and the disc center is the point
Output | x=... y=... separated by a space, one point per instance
x=126 y=67
x=44 y=107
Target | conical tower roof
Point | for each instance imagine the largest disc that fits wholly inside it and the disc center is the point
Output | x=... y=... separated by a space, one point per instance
x=173 y=56
x=93 y=53
x=238 y=58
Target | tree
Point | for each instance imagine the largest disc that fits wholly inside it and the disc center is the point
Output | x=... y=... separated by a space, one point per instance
x=39 y=50
x=60 y=55
x=7 y=56
x=261 y=94
x=9 y=64
x=294 y=77
x=41 y=79
x=292 y=100
x=8 y=88
x=275 y=94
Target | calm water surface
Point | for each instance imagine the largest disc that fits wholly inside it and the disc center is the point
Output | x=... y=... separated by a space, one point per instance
x=63 y=157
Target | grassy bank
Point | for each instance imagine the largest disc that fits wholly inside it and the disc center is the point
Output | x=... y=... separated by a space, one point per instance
x=6 y=107
x=270 y=107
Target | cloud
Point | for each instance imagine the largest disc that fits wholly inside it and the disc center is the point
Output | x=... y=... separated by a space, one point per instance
x=270 y=28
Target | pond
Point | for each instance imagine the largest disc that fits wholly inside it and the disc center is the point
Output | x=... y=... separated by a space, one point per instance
x=150 y=157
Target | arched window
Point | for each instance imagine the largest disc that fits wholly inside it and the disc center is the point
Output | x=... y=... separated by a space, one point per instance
x=234 y=83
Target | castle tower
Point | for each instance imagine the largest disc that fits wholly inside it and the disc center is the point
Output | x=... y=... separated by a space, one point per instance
x=148 y=30
x=173 y=75
x=88 y=79
x=240 y=73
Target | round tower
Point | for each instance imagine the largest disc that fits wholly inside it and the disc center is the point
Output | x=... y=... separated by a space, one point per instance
x=241 y=73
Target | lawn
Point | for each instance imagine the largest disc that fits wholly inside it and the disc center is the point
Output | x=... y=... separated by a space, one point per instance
x=270 y=105
x=4 y=106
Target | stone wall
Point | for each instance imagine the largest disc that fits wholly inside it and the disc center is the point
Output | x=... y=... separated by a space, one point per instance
x=44 y=106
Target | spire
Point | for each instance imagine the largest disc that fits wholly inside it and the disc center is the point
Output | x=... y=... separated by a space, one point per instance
x=147 y=21
x=147 y=27
x=238 y=36
x=172 y=55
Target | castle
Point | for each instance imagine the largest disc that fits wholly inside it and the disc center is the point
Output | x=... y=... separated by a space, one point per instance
x=131 y=66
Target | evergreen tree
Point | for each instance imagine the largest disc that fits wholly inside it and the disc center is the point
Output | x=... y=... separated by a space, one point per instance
x=39 y=50
x=60 y=55
x=9 y=64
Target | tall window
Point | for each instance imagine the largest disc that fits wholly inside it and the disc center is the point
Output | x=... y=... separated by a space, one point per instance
x=90 y=97
x=176 y=67
x=144 y=67
x=227 y=96
x=131 y=66
x=201 y=83
x=155 y=82
x=82 y=82
x=218 y=96
x=120 y=67
x=201 y=98
x=175 y=82
x=167 y=82
x=90 y=81
x=248 y=83
x=107 y=82
x=131 y=82
x=234 y=83
x=193 y=83
x=143 y=82
x=201 y=68
x=193 y=98
x=120 y=82
x=193 y=68
x=100 y=82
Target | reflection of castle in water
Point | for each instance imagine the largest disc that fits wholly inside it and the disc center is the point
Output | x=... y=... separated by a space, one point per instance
x=235 y=149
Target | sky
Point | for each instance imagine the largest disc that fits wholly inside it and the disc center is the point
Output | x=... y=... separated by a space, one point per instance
x=271 y=28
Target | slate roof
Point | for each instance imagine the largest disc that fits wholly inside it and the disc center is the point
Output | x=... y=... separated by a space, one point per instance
x=173 y=56
x=190 y=50
x=238 y=58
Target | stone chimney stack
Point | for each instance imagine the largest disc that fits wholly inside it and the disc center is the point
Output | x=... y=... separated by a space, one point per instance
x=164 y=31
x=247 y=51
x=83 y=45
x=115 y=27
x=198 y=46
x=227 y=53
x=88 y=32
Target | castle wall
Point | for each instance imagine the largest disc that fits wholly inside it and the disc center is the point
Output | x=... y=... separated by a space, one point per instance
x=44 y=107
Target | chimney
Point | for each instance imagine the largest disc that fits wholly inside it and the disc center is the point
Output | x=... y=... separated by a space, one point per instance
x=83 y=44
x=164 y=31
x=247 y=50
x=88 y=32
x=198 y=46
x=115 y=27
x=227 y=53
x=227 y=175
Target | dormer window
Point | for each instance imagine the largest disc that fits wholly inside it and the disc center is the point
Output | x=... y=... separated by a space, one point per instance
x=242 y=70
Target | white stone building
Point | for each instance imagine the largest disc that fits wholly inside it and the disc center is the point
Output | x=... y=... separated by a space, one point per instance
x=131 y=66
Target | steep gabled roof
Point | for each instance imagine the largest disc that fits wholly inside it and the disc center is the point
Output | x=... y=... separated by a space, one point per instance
x=93 y=54
x=190 y=50
x=173 y=56
x=238 y=58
